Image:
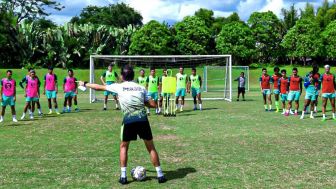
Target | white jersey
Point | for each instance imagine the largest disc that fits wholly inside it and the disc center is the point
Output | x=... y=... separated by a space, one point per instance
x=132 y=98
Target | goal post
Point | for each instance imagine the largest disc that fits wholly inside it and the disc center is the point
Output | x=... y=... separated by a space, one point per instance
x=99 y=63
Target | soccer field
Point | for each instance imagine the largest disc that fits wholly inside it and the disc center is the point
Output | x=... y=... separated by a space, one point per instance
x=228 y=145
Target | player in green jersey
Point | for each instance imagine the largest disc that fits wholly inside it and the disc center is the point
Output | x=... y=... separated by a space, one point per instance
x=194 y=86
x=181 y=86
x=108 y=78
x=153 y=87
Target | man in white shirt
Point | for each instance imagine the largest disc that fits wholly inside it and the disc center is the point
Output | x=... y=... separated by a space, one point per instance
x=133 y=99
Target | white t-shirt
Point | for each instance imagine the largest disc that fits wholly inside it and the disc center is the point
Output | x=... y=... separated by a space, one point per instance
x=132 y=98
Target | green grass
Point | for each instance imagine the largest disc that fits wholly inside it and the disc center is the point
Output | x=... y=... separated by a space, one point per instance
x=228 y=145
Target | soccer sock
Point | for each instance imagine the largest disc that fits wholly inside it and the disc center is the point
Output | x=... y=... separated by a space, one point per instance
x=29 y=111
x=303 y=113
x=104 y=105
x=64 y=108
x=296 y=111
x=24 y=114
x=324 y=116
x=14 y=116
x=333 y=115
x=200 y=105
x=265 y=107
x=76 y=107
x=159 y=171
x=277 y=104
x=123 y=172
x=1 y=117
x=195 y=105
x=181 y=106
x=116 y=105
x=287 y=111
x=50 y=110
x=311 y=113
x=315 y=108
x=56 y=109
x=270 y=107
x=39 y=111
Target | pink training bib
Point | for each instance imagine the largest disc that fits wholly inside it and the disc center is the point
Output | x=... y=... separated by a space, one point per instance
x=32 y=87
x=50 y=82
x=69 y=84
x=8 y=87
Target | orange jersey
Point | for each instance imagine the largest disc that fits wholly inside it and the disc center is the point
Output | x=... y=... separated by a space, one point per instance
x=328 y=83
x=266 y=81
x=275 y=80
x=294 y=83
x=284 y=83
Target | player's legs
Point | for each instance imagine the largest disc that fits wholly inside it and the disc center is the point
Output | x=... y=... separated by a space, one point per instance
x=195 y=103
x=123 y=153
x=265 y=102
x=199 y=99
x=105 y=102
x=49 y=104
x=276 y=97
x=239 y=91
x=55 y=105
x=177 y=102
x=306 y=104
x=38 y=107
x=243 y=94
x=69 y=103
x=269 y=98
x=2 y=113
x=289 y=106
x=297 y=105
x=115 y=97
x=332 y=102
x=155 y=159
x=324 y=106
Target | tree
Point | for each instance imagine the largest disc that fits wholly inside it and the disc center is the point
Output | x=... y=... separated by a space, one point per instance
x=329 y=39
x=290 y=17
x=219 y=22
x=206 y=15
x=117 y=15
x=27 y=9
x=192 y=36
x=236 y=38
x=152 y=39
x=303 y=40
x=321 y=13
x=308 y=12
x=266 y=29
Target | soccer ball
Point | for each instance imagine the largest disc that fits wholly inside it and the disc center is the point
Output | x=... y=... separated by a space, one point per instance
x=138 y=173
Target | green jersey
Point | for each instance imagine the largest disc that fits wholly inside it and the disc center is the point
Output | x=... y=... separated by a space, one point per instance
x=195 y=81
x=181 y=80
x=110 y=77
x=142 y=81
x=153 y=84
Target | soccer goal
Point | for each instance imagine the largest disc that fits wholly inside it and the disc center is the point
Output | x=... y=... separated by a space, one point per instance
x=99 y=63
x=215 y=77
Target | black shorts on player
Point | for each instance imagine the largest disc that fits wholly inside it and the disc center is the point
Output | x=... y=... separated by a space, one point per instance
x=241 y=90
x=130 y=131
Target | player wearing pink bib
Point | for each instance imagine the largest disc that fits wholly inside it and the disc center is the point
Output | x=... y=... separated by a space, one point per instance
x=32 y=94
x=51 y=89
x=70 y=92
x=8 y=95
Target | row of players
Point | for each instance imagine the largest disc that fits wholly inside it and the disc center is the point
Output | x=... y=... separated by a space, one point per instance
x=290 y=89
x=153 y=84
x=32 y=93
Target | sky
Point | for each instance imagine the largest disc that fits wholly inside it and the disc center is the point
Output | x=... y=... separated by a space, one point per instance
x=172 y=11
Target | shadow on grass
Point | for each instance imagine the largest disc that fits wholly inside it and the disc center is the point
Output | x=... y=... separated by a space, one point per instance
x=181 y=115
x=204 y=109
x=175 y=174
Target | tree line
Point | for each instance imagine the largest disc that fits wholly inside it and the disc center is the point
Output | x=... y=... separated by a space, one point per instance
x=300 y=36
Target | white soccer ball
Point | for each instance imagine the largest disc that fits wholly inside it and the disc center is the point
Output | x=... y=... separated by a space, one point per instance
x=138 y=173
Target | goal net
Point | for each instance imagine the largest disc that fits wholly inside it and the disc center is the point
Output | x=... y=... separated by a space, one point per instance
x=99 y=64
x=215 y=77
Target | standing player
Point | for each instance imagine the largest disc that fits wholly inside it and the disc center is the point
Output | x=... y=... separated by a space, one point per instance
x=276 y=76
x=24 y=80
x=153 y=88
x=283 y=87
x=328 y=91
x=181 y=85
x=317 y=77
x=265 y=87
x=195 y=84
x=133 y=99
x=142 y=80
x=107 y=78
x=241 y=85
x=295 y=90
x=309 y=84
x=51 y=89
x=70 y=91
x=32 y=94
x=8 y=95
x=162 y=95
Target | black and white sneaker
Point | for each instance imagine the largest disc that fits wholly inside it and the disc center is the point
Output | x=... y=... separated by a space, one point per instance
x=162 y=179
x=104 y=109
x=123 y=181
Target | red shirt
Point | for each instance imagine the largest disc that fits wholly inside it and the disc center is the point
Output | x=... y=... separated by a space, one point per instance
x=283 y=85
x=265 y=82
x=328 y=83
x=294 y=84
x=275 y=80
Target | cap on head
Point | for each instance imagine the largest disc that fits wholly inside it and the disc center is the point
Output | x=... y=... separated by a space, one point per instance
x=327 y=66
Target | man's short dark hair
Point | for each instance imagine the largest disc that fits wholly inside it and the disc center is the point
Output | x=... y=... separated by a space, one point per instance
x=30 y=69
x=276 y=68
x=10 y=71
x=142 y=70
x=264 y=69
x=164 y=69
x=193 y=69
x=283 y=71
x=70 y=70
x=242 y=73
x=315 y=68
x=50 y=68
x=152 y=68
x=295 y=69
x=127 y=73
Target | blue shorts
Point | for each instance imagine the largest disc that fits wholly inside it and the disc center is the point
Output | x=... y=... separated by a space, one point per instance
x=165 y=94
x=283 y=97
x=276 y=91
x=180 y=92
x=310 y=96
x=195 y=92
x=7 y=100
x=153 y=95
x=106 y=93
x=69 y=94
x=294 y=95
x=328 y=95
x=32 y=99
x=51 y=94
x=266 y=91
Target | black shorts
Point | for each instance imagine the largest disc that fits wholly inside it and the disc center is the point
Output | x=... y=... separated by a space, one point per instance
x=130 y=131
x=241 y=89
